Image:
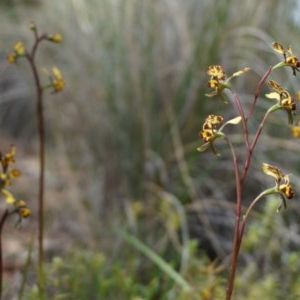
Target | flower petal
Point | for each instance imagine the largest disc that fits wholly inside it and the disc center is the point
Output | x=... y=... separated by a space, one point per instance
x=235 y=120
x=216 y=71
x=273 y=171
x=278 y=47
x=9 y=197
x=24 y=212
x=240 y=72
x=203 y=147
x=273 y=95
x=275 y=86
x=212 y=94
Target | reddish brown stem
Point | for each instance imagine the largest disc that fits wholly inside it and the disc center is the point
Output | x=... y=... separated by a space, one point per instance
x=41 y=132
x=41 y=135
x=244 y=120
x=236 y=239
x=240 y=226
x=257 y=91
x=252 y=147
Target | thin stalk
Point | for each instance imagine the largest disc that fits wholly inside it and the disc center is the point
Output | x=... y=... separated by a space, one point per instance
x=253 y=144
x=41 y=133
x=244 y=120
x=41 y=138
x=245 y=217
x=251 y=148
x=257 y=91
x=236 y=242
x=238 y=228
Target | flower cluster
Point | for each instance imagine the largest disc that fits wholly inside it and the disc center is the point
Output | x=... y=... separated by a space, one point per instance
x=218 y=80
x=283 y=186
x=289 y=59
x=56 y=81
x=284 y=100
x=18 y=51
x=6 y=177
x=55 y=38
x=213 y=125
x=211 y=130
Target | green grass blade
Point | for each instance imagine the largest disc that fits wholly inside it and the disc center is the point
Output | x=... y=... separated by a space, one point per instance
x=163 y=265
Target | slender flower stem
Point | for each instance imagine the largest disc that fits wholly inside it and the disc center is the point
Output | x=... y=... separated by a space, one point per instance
x=236 y=242
x=244 y=120
x=253 y=144
x=258 y=89
x=263 y=194
x=41 y=135
x=245 y=217
x=239 y=228
x=41 y=132
x=251 y=148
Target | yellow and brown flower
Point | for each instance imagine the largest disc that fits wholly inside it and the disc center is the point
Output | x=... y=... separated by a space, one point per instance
x=18 y=51
x=6 y=176
x=284 y=100
x=219 y=81
x=209 y=128
x=283 y=186
x=20 y=206
x=289 y=59
x=212 y=130
x=55 y=38
x=56 y=80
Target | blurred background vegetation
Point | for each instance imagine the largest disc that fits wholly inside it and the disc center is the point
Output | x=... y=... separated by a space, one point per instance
x=122 y=139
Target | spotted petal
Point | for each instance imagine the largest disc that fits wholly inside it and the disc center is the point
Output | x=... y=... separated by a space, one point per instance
x=278 y=47
x=273 y=171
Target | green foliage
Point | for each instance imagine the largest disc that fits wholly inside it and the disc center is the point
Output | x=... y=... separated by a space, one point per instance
x=83 y=274
x=87 y=275
x=92 y=276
